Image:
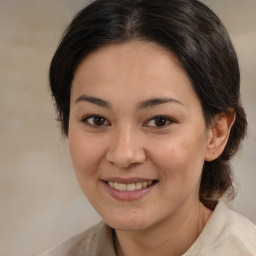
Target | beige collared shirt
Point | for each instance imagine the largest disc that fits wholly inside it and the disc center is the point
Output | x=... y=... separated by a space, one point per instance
x=225 y=234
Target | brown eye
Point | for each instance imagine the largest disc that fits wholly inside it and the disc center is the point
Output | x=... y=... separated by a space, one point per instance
x=96 y=121
x=159 y=122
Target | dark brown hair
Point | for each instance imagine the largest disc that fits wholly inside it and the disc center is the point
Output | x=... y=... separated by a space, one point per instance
x=187 y=28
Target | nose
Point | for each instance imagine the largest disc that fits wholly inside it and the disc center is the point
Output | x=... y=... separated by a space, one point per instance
x=126 y=149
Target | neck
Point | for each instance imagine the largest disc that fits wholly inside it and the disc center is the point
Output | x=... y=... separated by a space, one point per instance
x=172 y=237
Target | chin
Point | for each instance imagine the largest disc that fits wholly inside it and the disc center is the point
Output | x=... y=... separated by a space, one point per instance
x=127 y=222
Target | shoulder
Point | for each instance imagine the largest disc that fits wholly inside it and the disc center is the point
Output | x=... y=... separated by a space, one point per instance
x=226 y=233
x=95 y=241
x=238 y=232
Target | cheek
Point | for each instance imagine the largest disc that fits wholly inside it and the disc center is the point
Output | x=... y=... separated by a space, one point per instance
x=180 y=158
x=85 y=153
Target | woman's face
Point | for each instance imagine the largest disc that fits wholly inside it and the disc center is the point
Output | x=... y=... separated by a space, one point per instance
x=137 y=135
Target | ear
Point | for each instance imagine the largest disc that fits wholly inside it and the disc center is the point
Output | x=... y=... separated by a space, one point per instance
x=218 y=134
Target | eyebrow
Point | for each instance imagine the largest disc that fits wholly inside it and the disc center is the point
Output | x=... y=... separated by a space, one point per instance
x=141 y=105
x=94 y=100
x=157 y=101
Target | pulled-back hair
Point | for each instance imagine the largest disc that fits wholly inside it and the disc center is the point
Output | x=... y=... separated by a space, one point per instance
x=187 y=28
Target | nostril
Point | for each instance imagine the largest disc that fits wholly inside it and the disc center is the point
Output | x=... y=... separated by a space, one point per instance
x=125 y=160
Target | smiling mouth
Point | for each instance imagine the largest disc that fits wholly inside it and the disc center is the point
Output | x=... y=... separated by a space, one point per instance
x=131 y=186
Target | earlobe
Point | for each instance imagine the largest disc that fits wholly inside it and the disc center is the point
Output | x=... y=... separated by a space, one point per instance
x=218 y=134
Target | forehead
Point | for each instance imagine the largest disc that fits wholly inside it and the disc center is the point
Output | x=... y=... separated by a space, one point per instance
x=135 y=68
x=148 y=56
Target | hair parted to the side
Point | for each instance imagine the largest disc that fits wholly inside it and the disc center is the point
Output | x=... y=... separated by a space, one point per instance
x=187 y=28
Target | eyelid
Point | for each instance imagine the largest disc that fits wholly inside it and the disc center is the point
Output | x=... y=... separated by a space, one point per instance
x=87 y=117
x=169 y=120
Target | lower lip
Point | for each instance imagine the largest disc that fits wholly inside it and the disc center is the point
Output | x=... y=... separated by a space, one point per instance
x=127 y=195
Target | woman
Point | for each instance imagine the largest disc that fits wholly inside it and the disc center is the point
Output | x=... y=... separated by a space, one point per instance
x=147 y=94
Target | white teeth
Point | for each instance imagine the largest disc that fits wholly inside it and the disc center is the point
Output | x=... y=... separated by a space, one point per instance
x=150 y=182
x=116 y=186
x=122 y=187
x=131 y=186
x=144 y=184
x=138 y=185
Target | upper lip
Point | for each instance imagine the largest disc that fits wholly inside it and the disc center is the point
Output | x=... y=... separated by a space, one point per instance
x=126 y=180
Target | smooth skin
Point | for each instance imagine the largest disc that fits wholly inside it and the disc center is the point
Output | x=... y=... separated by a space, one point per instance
x=117 y=95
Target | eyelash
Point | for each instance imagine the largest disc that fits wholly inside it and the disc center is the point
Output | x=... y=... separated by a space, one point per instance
x=160 y=118
x=105 y=122
x=87 y=118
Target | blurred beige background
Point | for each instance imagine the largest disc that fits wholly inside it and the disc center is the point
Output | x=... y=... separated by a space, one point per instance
x=41 y=203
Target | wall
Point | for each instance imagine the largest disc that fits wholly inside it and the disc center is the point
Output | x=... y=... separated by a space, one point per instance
x=41 y=203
